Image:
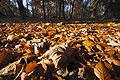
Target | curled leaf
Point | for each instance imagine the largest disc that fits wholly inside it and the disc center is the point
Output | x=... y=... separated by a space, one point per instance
x=10 y=69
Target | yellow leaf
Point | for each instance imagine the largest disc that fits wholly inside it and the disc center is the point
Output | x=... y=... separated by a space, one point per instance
x=99 y=47
x=105 y=37
x=43 y=25
x=59 y=78
x=88 y=43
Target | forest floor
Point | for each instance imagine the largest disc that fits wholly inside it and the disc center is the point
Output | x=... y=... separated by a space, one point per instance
x=53 y=49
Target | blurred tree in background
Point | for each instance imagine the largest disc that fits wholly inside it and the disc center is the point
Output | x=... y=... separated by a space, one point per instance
x=102 y=9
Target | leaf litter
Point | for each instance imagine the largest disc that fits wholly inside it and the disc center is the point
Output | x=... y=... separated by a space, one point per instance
x=50 y=51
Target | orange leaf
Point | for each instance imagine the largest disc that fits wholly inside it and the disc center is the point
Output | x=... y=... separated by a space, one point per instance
x=104 y=44
x=105 y=37
x=30 y=67
x=90 y=53
x=111 y=52
x=59 y=78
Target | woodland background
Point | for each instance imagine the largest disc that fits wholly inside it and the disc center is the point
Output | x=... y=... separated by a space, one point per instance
x=64 y=9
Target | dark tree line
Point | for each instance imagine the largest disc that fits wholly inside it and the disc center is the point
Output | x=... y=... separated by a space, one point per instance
x=61 y=8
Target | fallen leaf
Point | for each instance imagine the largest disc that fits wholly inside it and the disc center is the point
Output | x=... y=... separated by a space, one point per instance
x=90 y=53
x=101 y=72
x=111 y=52
x=108 y=66
x=88 y=43
x=116 y=62
x=10 y=69
x=113 y=43
x=59 y=78
x=99 y=47
x=30 y=67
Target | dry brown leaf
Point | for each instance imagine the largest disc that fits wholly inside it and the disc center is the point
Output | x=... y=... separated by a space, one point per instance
x=57 y=54
x=89 y=73
x=116 y=62
x=103 y=44
x=46 y=61
x=2 y=41
x=30 y=67
x=0 y=30
x=44 y=67
x=108 y=66
x=10 y=69
x=5 y=56
x=101 y=72
x=26 y=46
x=27 y=55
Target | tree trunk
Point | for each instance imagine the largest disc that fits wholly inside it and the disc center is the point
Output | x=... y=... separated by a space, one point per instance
x=112 y=11
x=63 y=10
x=115 y=9
x=72 y=9
x=15 y=2
x=56 y=9
x=59 y=9
x=27 y=4
x=33 y=12
x=10 y=12
x=43 y=4
x=21 y=8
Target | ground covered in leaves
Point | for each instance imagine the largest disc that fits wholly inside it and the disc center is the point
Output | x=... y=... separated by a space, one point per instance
x=59 y=51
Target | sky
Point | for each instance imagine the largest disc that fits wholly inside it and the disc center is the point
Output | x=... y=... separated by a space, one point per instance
x=24 y=3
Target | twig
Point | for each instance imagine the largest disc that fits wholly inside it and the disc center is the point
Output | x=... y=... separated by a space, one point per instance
x=20 y=72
